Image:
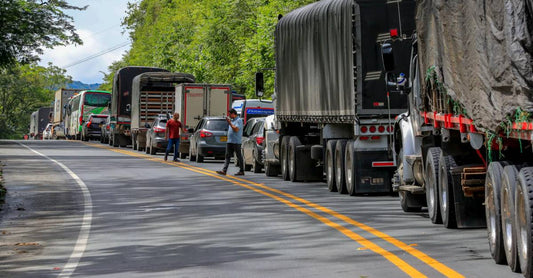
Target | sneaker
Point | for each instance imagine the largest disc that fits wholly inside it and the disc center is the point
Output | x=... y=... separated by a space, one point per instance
x=221 y=173
x=240 y=173
x=166 y=156
x=176 y=160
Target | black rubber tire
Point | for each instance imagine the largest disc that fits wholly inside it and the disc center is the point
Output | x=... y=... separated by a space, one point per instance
x=431 y=178
x=134 y=142
x=350 y=171
x=284 y=158
x=524 y=218
x=271 y=171
x=446 y=199
x=340 y=181
x=330 y=165
x=293 y=159
x=191 y=156
x=200 y=158
x=257 y=166
x=153 y=151
x=183 y=155
x=493 y=184
x=114 y=143
x=406 y=198
x=508 y=188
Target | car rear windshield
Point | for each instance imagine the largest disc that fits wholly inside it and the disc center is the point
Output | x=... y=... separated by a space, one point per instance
x=98 y=120
x=216 y=125
x=162 y=123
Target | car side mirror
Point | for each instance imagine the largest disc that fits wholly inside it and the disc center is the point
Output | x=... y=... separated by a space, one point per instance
x=259 y=84
x=387 y=56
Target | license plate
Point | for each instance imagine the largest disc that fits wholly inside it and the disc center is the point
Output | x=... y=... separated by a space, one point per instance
x=223 y=138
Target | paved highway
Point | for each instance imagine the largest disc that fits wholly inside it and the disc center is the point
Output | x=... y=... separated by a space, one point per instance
x=78 y=209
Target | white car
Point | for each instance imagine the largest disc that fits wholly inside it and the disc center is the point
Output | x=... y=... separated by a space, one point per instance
x=47 y=133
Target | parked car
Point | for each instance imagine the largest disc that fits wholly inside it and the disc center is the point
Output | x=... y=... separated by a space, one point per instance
x=271 y=147
x=92 y=129
x=252 y=144
x=47 y=133
x=209 y=139
x=58 y=131
x=155 y=136
x=104 y=130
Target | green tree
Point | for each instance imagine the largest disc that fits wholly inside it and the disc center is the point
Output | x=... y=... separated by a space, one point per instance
x=23 y=89
x=26 y=26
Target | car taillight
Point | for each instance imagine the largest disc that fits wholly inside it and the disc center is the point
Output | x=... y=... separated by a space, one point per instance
x=259 y=140
x=107 y=127
x=184 y=136
x=89 y=124
x=158 y=129
x=204 y=134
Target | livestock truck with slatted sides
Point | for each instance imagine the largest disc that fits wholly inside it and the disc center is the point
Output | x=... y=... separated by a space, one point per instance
x=152 y=95
x=464 y=146
x=331 y=101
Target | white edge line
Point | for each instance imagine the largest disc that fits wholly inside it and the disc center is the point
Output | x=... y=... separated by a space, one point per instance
x=83 y=236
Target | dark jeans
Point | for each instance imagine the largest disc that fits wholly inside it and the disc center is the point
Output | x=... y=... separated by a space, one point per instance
x=173 y=142
x=230 y=149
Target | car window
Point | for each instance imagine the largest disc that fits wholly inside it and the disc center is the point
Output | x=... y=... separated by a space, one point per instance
x=257 y=127
x=216 y=125
x=199 y=125
x=162 y=122
x=97 y=120
x=247 y=128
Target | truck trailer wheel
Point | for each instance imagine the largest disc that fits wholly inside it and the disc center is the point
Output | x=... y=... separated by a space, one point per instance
x=283 y=157
x=330 y=165
x=493 y=186
x=509 y=184
x=340 y=180
x=431 y=178
x=293 y=158
x=446 y=200
x=350 y=171
x=524 y=215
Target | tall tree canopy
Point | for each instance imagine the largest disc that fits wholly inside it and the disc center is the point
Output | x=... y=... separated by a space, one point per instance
x=217 y=41
x=23 y=89
x=26 y=26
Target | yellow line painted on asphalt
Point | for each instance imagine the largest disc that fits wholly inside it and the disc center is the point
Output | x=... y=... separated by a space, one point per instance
x=446 y=271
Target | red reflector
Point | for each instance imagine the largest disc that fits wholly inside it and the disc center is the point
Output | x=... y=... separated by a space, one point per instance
x=394 y=33
x=364 y=137
x=382 y=164
x=381 y=129
x=375 y=137
x=390 y=128
x=372 y=129
x=107 y=127
x=209 y=152
x=364 y=129
x=259 y=140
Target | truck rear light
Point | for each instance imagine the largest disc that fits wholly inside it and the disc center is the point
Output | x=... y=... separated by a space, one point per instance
x=394 y=33
x=364 y=129
x=372 y=129
x=375 y=137
x=259 y=140
x=390 y=128
x=159 y=129
x=364 y=138
x=204 y=134
x=381 y=129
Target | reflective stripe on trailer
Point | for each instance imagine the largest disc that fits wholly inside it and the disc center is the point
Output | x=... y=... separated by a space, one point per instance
x=383 y=164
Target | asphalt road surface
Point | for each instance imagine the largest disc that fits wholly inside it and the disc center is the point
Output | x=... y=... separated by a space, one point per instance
x=78 y=209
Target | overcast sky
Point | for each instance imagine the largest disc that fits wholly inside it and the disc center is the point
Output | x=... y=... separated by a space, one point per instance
x=99 y=28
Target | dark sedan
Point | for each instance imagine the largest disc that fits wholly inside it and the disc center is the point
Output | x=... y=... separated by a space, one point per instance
x=92 y=129
x=209 y=139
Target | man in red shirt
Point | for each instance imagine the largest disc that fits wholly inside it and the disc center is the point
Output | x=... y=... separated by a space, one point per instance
x=172 y=134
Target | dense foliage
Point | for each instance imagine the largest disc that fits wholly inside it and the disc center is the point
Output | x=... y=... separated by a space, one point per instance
x=24 y=89
x=26 y=26
x=217 y=41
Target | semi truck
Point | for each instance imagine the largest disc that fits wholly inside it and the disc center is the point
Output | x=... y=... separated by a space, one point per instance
x=38 y=121
x=195 y=101
x=120 y=109
x=464 y=147
x=61 y=99
x=332 y=103
x=152 y=95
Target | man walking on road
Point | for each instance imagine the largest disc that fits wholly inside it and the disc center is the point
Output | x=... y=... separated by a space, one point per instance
x=234 y=142
x=172 y=134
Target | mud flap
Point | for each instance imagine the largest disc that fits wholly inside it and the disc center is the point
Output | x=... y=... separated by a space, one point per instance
x=307 y=167
x=469 y=211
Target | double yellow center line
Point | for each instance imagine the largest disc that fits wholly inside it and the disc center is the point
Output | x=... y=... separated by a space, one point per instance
x=288 y=200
